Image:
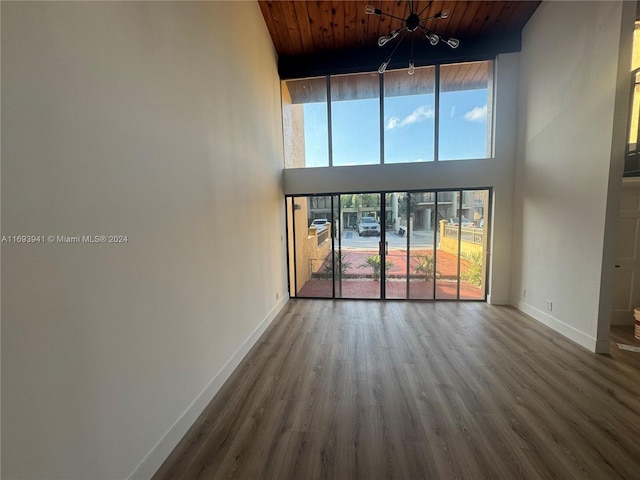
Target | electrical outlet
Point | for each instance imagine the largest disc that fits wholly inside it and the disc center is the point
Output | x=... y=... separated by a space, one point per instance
x=524 y=293
x=549 y=305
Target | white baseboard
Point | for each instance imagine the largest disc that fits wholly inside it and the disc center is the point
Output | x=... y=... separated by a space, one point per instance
x=168 y=442
x=568 y=331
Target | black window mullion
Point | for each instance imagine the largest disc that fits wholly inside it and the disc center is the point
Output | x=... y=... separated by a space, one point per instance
x=460 y=200
x=382 y=250
x=635 y=83
x=436 y=230
x=408 y=244
x=339 y=241
x=329 y=130
x=436 y=138
x=295 y=256
x=333 y=252
x=381 y=120
x=487 y=242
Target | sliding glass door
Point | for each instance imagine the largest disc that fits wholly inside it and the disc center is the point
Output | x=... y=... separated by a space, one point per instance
x=409 y=244
x=424 y=245
x=359 y=252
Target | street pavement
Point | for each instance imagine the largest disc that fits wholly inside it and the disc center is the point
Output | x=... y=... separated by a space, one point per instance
x=419 y=239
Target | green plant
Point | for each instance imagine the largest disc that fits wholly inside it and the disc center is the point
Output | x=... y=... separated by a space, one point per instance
x=425 y=266
x=339 y=259
x=473 y=273
x=374 y=263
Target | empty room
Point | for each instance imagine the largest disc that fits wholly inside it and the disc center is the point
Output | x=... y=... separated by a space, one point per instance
x=320 y=240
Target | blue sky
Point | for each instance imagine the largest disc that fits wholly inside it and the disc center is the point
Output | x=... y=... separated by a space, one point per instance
x=409 y=129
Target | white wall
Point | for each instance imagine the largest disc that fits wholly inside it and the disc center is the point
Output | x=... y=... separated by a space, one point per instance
x=569 y=166
x=497 y=172
x=159 y=121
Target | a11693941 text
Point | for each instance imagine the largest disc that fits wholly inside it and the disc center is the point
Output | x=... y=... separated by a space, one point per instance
x=34 y=239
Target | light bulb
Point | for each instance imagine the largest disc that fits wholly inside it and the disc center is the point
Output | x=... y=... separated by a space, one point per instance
x=443 y=14
x=384 y=65
x=411 y=67
x=433 y=38
x=453 y=42
x=371 y=10
x=382 y=41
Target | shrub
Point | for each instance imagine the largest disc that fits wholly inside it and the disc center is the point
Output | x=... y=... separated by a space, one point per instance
x=374 y=263
x=339 y=259
x=425 y=266
x=473 y=273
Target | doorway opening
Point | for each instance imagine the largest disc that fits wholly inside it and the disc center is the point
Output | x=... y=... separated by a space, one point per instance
x=424 y=245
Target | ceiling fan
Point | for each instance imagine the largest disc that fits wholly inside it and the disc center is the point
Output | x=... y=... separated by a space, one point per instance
x=411 y=24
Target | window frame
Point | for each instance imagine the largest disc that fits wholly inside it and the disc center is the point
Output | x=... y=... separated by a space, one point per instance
x=490 y=127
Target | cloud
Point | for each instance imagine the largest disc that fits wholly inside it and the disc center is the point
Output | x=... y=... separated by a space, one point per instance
x=478 y=114
x=421 y=113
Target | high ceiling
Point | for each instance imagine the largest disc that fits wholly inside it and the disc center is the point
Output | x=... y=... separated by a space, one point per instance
x=304 y=31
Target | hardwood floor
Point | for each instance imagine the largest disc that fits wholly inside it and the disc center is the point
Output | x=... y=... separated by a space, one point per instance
x=352 y=390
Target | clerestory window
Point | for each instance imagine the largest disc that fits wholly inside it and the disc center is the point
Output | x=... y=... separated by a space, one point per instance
x=441 y=112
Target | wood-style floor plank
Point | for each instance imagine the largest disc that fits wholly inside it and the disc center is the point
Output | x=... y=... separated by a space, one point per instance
x=350 y=390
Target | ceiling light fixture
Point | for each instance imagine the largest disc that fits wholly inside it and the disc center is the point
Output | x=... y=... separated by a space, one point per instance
x=411 y=24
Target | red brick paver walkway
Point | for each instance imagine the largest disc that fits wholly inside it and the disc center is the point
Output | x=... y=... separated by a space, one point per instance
x=358 y=282
x=446 y=263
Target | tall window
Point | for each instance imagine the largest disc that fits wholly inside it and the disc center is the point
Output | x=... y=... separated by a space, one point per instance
x=409 y=116
x=438 y=113
x=305 y=123
x=465 y=106
x=355 y=119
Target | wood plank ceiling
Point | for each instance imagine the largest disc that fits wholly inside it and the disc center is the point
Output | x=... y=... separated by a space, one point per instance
x=308 y=27
x=320 y=37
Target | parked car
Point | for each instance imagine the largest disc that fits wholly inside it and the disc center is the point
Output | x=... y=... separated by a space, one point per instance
x=319 y=223
x=368 y=226
x=465 y=222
